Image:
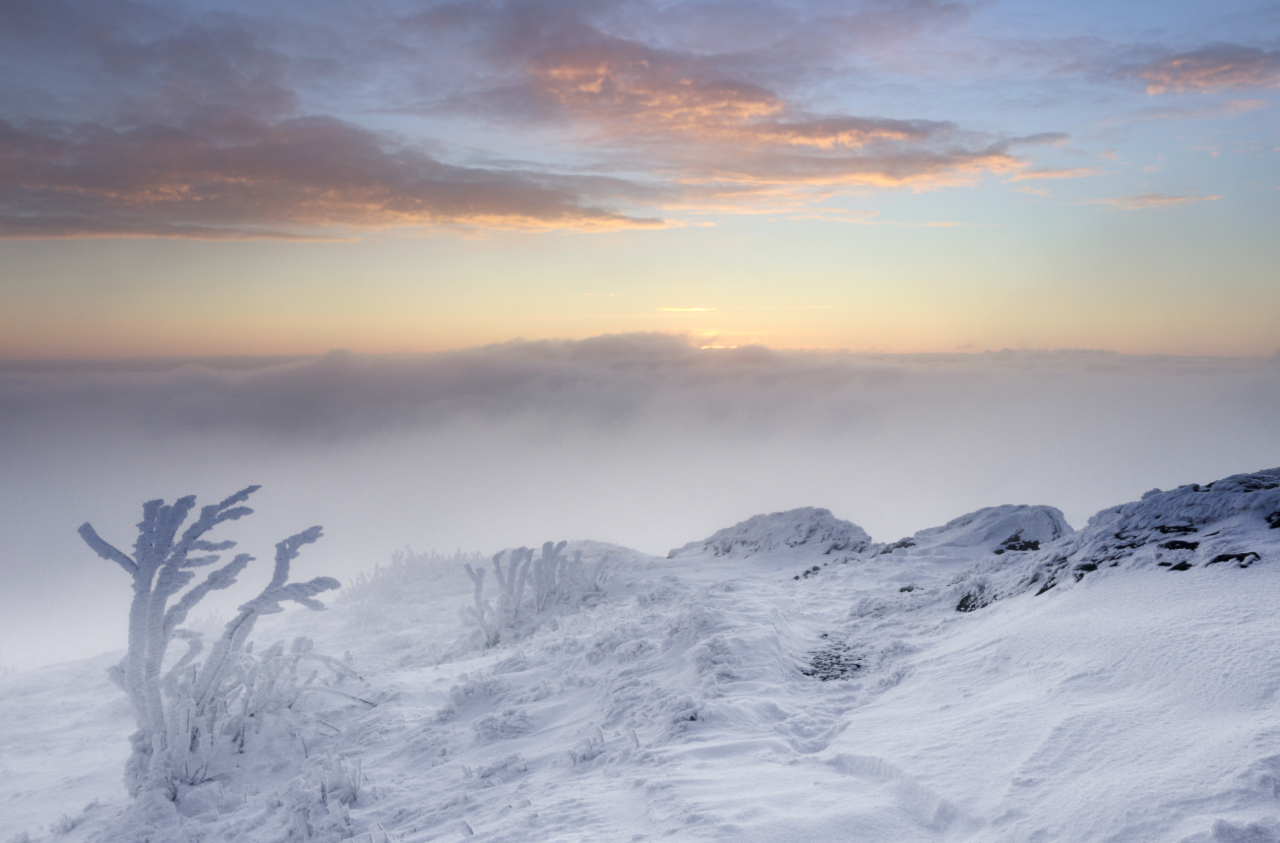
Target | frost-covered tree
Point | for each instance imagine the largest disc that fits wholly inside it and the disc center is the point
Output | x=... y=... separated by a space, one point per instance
x=178 y=711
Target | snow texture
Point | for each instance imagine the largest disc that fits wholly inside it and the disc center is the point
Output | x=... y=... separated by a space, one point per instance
x=760 y=686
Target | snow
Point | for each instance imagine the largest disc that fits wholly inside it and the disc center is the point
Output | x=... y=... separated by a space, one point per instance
x=807 y=530
x=784 y=679
x=1224 y=523
x=996 y=529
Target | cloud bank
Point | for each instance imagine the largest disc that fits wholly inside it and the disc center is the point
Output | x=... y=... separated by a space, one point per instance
x=608 y=384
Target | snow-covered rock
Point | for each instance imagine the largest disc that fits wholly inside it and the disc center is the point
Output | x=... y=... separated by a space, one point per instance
x=995 y=529
x=1233 y=522
x=811 y=529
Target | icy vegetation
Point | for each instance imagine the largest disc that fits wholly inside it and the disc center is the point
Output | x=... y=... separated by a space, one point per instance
x=194 y=717
x=999 y=678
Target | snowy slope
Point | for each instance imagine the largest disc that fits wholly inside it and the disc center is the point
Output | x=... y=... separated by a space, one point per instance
x=783 y=680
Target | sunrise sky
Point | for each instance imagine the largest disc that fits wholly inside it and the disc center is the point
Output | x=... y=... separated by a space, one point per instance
x=287 y=177
x=483 y=274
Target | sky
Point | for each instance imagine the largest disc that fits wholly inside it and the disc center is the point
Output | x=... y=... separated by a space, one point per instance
x=484 y=274
x=277 y=178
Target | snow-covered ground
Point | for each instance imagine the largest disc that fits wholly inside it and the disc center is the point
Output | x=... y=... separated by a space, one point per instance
x=999 y=678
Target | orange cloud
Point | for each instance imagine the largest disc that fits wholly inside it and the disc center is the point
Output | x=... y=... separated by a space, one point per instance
x=188 y=124
x=1049 y=173
x=1219 y=67
x=1146 y=201
x=694 y=121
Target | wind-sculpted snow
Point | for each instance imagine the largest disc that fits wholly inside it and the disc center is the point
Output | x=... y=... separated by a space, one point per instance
x=1226 y=523
x=997 y=529
x=736 y=701
x=808 y=528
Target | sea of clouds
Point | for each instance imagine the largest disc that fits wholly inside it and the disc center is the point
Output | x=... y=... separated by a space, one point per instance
x=644 y=440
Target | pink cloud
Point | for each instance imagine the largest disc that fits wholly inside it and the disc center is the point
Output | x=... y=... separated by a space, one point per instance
x=1218 y=67
x=682 y=114
x=169 y=121
x=1054 y=173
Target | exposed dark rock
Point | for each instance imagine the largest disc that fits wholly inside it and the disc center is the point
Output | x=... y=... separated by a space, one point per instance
x=1274 y=520
x=1016 y=543
x=835 y=661
x=1245 y=559
x=1181 y=566
x=1176 y=528
x=1179 y=544
x=906 y=588
x=972 y=601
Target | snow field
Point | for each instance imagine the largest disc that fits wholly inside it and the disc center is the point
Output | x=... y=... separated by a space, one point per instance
x=784 y=682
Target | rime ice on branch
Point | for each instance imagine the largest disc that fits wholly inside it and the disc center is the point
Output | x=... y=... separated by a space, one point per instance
x=177 y=713
x=554 y=579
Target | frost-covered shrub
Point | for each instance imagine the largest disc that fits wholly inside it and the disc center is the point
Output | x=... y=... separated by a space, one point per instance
x=187 y=713
x=533 y=587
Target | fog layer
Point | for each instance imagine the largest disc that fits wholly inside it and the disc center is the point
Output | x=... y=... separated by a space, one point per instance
x=643 y=440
